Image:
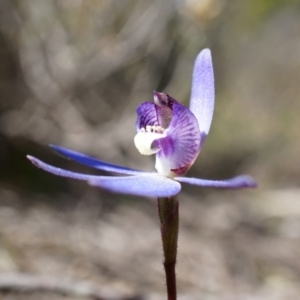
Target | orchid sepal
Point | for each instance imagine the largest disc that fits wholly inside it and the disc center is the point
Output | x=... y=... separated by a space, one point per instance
x=202 y=99
x=93 y=162
x=145 y=184
x=238 y=182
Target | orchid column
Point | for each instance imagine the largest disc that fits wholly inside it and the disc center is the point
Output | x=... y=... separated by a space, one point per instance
x=175 y=134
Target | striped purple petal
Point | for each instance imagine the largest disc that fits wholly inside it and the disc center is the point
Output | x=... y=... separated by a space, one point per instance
x=180 y=147
x=242 y=181
x=203 y=92
x=146 y=115
x=93 y=162
x=143 y=185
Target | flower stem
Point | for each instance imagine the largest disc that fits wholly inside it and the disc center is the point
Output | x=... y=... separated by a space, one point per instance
x=169 y=220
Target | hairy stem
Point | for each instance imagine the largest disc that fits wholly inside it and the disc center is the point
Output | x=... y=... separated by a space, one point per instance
x=169 y=220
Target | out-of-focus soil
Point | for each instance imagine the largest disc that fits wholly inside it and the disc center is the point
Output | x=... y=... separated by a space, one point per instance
x=232 y=245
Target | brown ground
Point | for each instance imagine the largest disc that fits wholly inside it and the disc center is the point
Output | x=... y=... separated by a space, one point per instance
x=227 y=249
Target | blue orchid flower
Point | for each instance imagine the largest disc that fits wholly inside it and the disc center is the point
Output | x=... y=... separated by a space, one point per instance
x=171 y=131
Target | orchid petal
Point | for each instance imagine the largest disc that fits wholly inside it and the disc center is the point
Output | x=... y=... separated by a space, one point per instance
x=242 y=181
x=58 y=171
x=203 y=92
x=93 y=162
x=146 y=142
x=180 y=147
x=143 y=185
x=148 y=185
x=147 y=115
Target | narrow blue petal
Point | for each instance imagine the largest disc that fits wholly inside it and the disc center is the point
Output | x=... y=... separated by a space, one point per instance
x=152 y=185
x=93 y=162
x=242 y=181
x=203 y=92
x=148 y=185
x=57 y=171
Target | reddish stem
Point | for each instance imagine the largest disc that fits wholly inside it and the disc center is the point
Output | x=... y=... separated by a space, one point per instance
x=169 y=219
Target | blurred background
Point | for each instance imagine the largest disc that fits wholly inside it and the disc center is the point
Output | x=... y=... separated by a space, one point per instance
x=72 y=73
